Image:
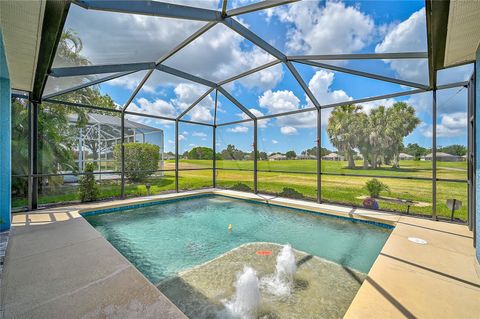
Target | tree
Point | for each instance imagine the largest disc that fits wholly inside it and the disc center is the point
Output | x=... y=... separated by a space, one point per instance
x=313 y=151
x=378 y=135
x=455 y=149
x=57 y=135
x=416 y=150
x=263 y=156
x=343 y=130
x=232 y=153
x=291 y=155
x=140 y=159
x=200 y=153
x=88 y=188
x=402 y=120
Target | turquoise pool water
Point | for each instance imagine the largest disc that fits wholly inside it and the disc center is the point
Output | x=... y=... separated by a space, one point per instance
x=163 y=239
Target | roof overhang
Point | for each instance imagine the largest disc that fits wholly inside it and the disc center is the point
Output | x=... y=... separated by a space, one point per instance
x=31 y=30
x=454 y=32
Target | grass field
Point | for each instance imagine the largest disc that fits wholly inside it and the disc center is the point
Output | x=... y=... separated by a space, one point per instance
x=337 y=189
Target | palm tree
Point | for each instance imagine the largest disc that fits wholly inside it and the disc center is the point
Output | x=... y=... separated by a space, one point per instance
x=402 y=120
x=343 y=129
x=379 y=137
x=56 y=135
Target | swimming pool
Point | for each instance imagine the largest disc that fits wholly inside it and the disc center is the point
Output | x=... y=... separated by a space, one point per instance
x=165 y=239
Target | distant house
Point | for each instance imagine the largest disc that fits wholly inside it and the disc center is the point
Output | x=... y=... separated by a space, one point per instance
x=306 y=157
x=443 y=157
x=277 y=157
x=333 y=157
x=405 y=157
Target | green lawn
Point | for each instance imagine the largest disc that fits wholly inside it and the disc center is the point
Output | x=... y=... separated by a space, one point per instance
x=337 y=189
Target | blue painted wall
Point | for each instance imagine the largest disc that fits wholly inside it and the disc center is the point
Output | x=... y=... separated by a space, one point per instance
x=5 y=140
x=477 y=157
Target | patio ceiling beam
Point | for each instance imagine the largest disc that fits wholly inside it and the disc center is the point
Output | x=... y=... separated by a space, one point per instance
x=186 y=76
x=196 y=123
x=361 y=56
x=99 y=69
x=195 y=103
x=183 y=44
x=150 y=116
x=235 y=122
x=252 y=37
x=254 y=70
x=257 y=7
x=238 y=104
x=365 y=74
x=224 y=8
x=437 y=13
x=93 y=107
x=152 y=8
x=187 y=41
x=87 y=84
x=55 y=15
x=302 y=83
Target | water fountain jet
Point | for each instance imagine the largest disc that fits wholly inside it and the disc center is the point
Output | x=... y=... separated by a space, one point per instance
x=280 y=283
x=247 y=295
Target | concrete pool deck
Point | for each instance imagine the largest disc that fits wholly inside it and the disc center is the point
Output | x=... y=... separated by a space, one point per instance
x=58 y=266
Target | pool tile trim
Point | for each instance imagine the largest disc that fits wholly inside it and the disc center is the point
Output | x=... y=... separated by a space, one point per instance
x=323 y=212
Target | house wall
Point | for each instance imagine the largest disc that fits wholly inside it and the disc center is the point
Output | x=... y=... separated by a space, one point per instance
x=5 y=140
x=477 y=159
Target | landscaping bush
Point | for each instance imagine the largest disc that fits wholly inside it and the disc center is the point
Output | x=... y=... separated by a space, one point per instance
x=88 y=189
x=375 y=187
x=291 y=193
x=241 y=187
x=141 y=160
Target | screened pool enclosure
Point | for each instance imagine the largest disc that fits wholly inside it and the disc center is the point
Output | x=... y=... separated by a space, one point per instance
x=222 y=127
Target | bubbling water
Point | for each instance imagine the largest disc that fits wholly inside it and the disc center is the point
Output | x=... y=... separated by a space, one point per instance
x=281 y=282
x=247 y=295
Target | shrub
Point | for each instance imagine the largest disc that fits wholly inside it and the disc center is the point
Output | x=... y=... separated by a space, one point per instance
x=141 y=160
x=241 y=187
x=290 y=193
x=88 y=189
x=375 y=187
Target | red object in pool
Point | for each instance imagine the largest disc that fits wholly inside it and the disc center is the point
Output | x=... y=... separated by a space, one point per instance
x=264 y=252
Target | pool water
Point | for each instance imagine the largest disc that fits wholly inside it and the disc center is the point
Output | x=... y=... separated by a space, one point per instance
x=164 y=239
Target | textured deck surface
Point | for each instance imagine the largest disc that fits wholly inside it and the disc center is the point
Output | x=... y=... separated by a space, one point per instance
x=58 y=266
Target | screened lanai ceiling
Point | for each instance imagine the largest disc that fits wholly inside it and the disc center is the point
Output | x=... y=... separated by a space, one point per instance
x=222 y=61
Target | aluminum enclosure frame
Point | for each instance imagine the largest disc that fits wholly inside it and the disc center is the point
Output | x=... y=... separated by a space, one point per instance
x=212 y=17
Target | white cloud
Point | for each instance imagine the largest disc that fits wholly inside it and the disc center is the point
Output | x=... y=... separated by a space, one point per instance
x=257 y=113
x=181 y=137
x=279 y=101
x=288 y=130
x=407 y=36
x=274 y=142
x=239 y=129
x=320 y=85
x=266 y=79
x=219 y=54
x=368 y=106
x=318 y=29
x=110 y=37
x=157 y=107
x=451 y=125
x=199 y=134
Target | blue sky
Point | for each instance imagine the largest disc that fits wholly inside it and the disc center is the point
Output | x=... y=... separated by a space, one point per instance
x=309 y=27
